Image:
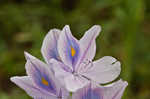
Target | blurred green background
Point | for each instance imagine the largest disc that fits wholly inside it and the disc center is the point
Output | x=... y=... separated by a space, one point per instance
x=125 y=35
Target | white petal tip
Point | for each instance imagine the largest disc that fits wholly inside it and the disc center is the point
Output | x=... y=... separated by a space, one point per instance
x=28 y=56
x=126 y=83
x=13 y=79
x=123 y=82
x=52 y=31
x=66 y=28
x=97 y=27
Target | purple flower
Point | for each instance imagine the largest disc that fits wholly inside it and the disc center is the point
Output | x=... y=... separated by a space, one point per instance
x=40 y=82
x=93 y=91
x=69 y=66
x=72 y=58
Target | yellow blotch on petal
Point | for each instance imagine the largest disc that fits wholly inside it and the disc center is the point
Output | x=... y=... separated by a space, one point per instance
x=45 y=82
x=73 y=51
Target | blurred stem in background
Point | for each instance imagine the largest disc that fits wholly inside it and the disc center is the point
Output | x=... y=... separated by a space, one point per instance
x=134 y=13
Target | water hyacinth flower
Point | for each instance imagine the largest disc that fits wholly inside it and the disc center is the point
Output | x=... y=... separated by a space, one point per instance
x=40 y=82
x=94 y=91
x=71 y=59
x=69 y=66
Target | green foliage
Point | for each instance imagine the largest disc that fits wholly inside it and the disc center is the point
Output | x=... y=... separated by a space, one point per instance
x=125 y=35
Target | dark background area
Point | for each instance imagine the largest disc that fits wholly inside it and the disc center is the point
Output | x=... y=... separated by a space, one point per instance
x=125 y=35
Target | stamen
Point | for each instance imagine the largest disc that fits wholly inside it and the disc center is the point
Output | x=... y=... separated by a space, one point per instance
x=86 y=77
x=87 y=65
x=45 y=82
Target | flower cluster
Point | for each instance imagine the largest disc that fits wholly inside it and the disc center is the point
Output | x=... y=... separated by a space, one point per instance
x=69 y=68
